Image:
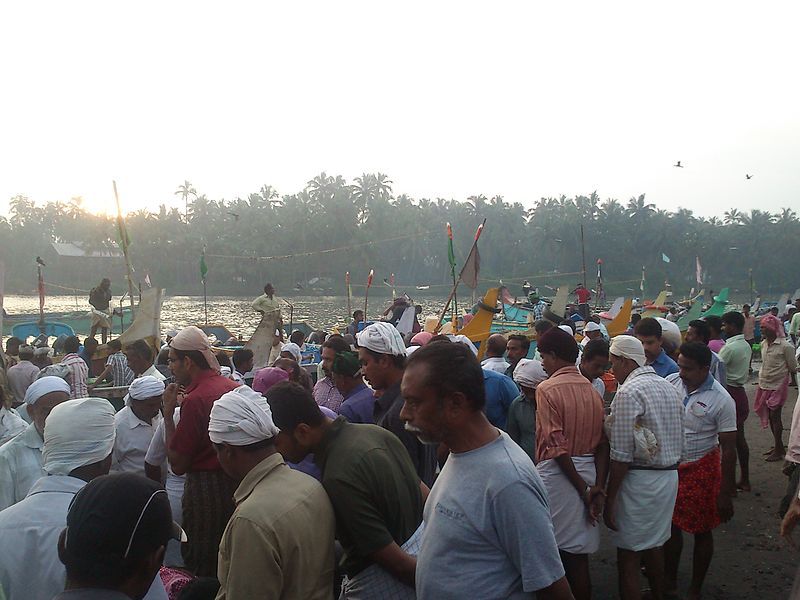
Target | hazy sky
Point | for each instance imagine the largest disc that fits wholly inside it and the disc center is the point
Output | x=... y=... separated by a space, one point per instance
x=522 y=99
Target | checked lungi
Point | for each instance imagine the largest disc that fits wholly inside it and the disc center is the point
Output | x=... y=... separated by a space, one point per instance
x=207 y=507
x=698 y=487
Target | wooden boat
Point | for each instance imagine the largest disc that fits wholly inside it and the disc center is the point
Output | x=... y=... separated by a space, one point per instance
x=612 y=312
x=657 y=307
x=619 y=324
x=694 y=312
x=720 y=304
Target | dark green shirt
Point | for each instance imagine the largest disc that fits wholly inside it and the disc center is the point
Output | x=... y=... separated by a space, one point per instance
x=521 y=424
x=373 y=487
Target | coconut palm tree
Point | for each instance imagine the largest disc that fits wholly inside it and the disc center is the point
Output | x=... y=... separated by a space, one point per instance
x=184 y=191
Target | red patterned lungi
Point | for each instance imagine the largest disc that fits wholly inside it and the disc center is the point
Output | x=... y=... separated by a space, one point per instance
x=769 y=400
x=698 y=487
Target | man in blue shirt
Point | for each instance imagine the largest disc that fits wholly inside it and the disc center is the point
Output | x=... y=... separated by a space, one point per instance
x=648 y=331
x=500 y=393
x=359 y=401
x=89 y=348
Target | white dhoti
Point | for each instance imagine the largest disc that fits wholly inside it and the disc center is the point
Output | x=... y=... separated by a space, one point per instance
x=101 y=319
x=573 y=530
x=375 y=583
x=643 y=510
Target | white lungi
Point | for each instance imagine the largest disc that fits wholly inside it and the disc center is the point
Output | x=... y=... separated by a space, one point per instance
x=574 y=532
x=644 y=508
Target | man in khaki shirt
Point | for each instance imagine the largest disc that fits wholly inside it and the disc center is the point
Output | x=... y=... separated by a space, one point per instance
x=279 y=542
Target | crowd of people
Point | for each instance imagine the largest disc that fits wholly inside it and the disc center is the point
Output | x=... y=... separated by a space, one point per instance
x=409 y=469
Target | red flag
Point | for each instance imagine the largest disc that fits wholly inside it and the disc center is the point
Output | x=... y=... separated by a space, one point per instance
x=369 y=279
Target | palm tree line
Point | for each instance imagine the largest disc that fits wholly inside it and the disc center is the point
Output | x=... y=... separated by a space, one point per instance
x=541 y=244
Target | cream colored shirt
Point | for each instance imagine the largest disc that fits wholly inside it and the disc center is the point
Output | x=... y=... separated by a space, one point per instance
x=264 y=304
x=777 y=361
x=279 y=540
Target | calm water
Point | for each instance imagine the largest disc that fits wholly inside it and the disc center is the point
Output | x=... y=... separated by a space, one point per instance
x=235 y=313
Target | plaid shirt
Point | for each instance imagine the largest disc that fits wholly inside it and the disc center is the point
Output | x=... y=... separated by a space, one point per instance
x=78 y=376
x=650 y=401
x=326 y=394
x=120 y=371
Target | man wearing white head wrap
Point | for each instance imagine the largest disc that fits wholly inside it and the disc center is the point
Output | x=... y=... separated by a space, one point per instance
x=78 y=441
x=136 y=423
x=382 y=338
x=278 y=510
x=641 y=490
x=21 y=458
x=521 y=424
x=291 y=350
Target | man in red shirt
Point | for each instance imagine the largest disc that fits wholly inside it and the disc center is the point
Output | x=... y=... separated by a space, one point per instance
x=583 y=295
x=208 y=495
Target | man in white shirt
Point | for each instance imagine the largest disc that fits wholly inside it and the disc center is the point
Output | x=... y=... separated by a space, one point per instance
x=495 y=348
x=140 y=360
x=704 y=487
x=136 y=423
x=78 y=440
x=21 y=458
x=242 y=364
x=22 y=374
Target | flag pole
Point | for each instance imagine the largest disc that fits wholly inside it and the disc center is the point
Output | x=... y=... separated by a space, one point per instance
x=123 y=234
x=460 y=275
x=366 y=293
x=203 y=273
x=347 y=285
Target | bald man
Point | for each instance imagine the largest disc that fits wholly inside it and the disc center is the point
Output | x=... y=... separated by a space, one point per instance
x=495 y=349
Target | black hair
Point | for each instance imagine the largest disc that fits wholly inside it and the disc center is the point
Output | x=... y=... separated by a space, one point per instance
x=13 y=341
x=195 y=356
x=555 y=342
x=115 y=345
x=356 y=313
x=702 y=328
x=697 y=352
x=254 y=447
x=223 y=359
x=525 y=342
x=201 y=588
x=542 y=325
x=26 y=351
x=648 y=326
x=292 y=404
x=107 y=571
x=595 y=348
x=336 y=343
x=452 y=367
x=635 y=318
x=297 y=337
x=399 y=362
x=734 y=318
x=714 y=322
x=496 y=344
x=71 y=345
x=241 y=356
x=141 y=349
x=269 y=286
x=91 y=340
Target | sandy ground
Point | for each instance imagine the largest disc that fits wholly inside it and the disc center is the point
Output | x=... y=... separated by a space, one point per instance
x=750 y=558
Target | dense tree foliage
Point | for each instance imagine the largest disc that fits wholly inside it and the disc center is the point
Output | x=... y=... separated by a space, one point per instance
x=332 y=226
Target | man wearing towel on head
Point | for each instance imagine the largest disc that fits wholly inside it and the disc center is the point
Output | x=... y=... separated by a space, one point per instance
x=21 y=458
x=208 y=497
x=383 y=360
x=78 y=441
x=136 y=423
x=528 y=374
x=571 y=455
x=279 y=541
x=643 y=478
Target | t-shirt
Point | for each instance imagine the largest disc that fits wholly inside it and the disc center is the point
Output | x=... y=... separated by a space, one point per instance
x=373 y=488
x=488 y=532
x=359 y=405
x=663 y=365
x=583 y=295
x=500 y=393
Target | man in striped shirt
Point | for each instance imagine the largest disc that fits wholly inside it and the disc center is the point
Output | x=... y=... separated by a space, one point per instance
x=79 y=372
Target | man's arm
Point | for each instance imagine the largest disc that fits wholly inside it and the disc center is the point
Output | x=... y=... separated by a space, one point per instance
x=617 y=474
x=558 y=590
x=180 y=463
x=727 y=442
x=396 y=561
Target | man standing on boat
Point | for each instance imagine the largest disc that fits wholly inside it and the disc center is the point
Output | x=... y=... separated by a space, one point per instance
x=268 y=303
x=100 y=299
x=583 y=296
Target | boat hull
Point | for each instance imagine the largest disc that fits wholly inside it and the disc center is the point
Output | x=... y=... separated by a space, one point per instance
x=79 y=320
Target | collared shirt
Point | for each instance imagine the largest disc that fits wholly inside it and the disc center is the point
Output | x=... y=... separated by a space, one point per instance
x=132 y=441
x=663 y=365
x=716 y=345
x=20 y=465
x=710 y=410
x=569 y=416
x=749 y=330
x=153 y=372
x=359 y=405
x=538 y=310
x=777 y=360
x=79 y=375
x=29 y=532
x=648 y=400
x=11 y=424
x=496 y=363
x=279 y=540
x=121 y=373
x=328 y=395
x=521 y=424
x=20 y=377
x=157 y=455
x=387 y=415
x=718 y=368
x=794 y=326
x=87 y=358
x=264 y=304
x=373 y=488
x=500 y=393
x=736 y=353
x=191 y=433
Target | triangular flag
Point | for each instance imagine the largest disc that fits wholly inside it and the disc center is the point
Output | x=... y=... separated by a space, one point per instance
x=664 y=257
x=203 y=267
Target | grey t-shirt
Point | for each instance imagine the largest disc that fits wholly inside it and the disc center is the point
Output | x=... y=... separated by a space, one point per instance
x=488 y=532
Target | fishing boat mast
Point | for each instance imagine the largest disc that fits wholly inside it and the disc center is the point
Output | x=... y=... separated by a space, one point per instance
x=123 y=233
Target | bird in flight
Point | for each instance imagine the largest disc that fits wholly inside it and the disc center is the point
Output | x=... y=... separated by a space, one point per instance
x=234 y=215
x=748 y=176
x=678 y=164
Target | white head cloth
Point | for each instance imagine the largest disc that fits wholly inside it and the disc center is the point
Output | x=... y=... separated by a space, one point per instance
x=78 y=433
x=292 y=349
x=144 y=388
x=382 y=338
x=567 y=329
x=45 y=385
x=628 y=346
x=591 y=326
x=529 y=373
x=462 y=339
x=240 y=418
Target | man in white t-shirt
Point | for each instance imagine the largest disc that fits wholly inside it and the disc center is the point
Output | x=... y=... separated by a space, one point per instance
x=495 y=348
x=706 y=483
x=135 y=425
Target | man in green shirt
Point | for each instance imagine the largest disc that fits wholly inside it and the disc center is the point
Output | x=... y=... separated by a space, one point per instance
x=369 y=477
x=794 y=324
x=521 y=424
x=736 y=354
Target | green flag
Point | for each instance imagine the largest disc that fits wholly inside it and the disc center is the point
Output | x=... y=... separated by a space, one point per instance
x=203 y=267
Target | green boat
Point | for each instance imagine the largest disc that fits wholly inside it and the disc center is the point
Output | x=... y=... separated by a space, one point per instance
x=79 y=320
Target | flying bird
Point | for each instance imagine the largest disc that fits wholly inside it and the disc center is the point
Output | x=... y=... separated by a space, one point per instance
x=678 y=164
x=748 y=176
x=39 y=261
x=234 y=215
